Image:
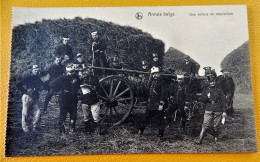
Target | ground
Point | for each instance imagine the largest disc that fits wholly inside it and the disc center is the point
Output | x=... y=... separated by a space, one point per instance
x=238 y=135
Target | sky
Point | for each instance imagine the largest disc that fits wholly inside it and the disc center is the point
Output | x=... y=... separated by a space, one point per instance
x=197 y=31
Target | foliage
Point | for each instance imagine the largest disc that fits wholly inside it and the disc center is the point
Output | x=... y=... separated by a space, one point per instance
x=36 y=42
x=238 y=63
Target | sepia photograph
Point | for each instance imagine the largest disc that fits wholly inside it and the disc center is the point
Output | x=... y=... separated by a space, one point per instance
x=130 y=80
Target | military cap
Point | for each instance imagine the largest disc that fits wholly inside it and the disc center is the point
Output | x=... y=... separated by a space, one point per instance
x=79 y=55
x=207 y=68
x=65 y=37
x=115 y=59
x=155 y=55
x=94 y=32
x=35 y=67
x=144 y=62
x=155 y=69
x=187 y=57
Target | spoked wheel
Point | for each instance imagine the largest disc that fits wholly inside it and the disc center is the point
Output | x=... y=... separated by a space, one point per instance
x=116 y=100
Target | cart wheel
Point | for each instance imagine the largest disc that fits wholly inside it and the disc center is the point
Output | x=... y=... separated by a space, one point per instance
x=116 y=99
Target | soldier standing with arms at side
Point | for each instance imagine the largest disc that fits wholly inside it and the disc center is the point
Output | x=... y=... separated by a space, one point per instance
x=55 y=70
x=98 y=49
x=68 y=84
x=215 y=101
x=90 y=101
x=226 y=83
x=156 y=103
x=64 y=51
x=30 y=84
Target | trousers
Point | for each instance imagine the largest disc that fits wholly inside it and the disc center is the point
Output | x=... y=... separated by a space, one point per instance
x=91 y=111
x=28 y=104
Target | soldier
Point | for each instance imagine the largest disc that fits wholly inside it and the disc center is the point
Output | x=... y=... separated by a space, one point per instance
x=226 y=83
x=30 y=84
x=143 y=85
x=64 y=51
x=156 y=61
x=99 y=47
x=55 y=70
x=215 y=101
x=190 y=67
x=145 y=66
x=68 y=84
x=176 y=101
x=79 y=64
x=90 y=101
x=156 y=103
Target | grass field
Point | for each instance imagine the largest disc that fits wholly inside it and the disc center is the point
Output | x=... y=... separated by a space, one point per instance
x=237 y=136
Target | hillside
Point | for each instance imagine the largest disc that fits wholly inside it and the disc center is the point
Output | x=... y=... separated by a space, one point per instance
x=238 y=63
x=174 y=59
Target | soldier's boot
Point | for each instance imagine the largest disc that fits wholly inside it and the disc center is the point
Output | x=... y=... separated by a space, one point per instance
x=161 y=133
x=87 y=128
x=99 y=131
x=62 y=131
x=141 y=130
x=72 y=126
x=202 y=135
x=183 y=125
x=91 y=127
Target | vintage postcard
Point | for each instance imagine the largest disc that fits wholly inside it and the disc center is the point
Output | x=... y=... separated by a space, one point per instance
x=124 y=80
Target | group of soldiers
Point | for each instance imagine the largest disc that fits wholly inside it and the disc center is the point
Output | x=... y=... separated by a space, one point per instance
x=68 y=75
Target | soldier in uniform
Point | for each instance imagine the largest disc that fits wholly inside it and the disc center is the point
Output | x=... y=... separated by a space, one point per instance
x=143 y=85
x=68 y=84
x=176 y=102
x=226 y=83
x=79 y=64
x=64 y=51
x=215 y=101
x=55 y=70
x=156 y=62
x=98 y=49
x=30 y=84
x=190 y=83
x=90 y=101
x=156 y=103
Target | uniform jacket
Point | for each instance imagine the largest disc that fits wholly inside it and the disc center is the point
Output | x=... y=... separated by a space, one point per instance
x=177 y=92
x=63 y=50
x=92 y=97
x=99 y=48
x=226 y=83
x=29 y=84
x=158 y=92
x=217 y=100
x=190 y=68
